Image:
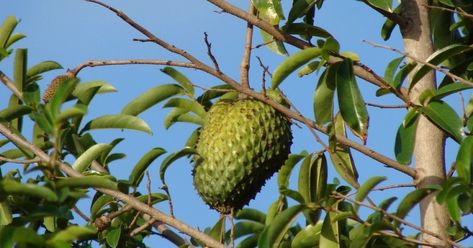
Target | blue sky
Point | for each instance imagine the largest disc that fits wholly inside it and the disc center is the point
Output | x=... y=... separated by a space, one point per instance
x=71 y=32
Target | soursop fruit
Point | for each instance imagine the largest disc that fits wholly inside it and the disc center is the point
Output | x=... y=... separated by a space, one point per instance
x=242 y=143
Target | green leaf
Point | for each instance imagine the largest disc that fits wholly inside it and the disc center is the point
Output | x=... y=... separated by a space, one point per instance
x=188 y=105
x=5 y=214
x=298 y=9
x=19 y=68
x=391 y=69
x=454 y=209
x=410 y=201
x=87 y=182
x=381 y=4
x=83 y=162
x=138 y=170
x=292 y=63
x=464 y=159
x=323 y=96
x=28 y=189
x=72 y=233
x=15 y=236
x=243 y=228
x=365 y=189
x=469 y=107
x=6 y=30
x=14 y=38
x=181 y=115
x=341 y=156
x=306 y=29
x=99 y=203
x=445 y=117
x=218 y=230
x=151 y=97
x=269 y=10
x=404 y=144
x=113 y=236
x=309 y=68
x=389 y=25
x=329 y=234
x=62 y=92
x=84 y=88
x=279 y=227
x=351 y=104
x=171 y=158
x=78 y=110
x=42 y=67
x=249 y=242
x=308 y=237
x=119 y=121
x=14 y=112
x=251 y=214
x=285 y=172
x=450 y=89
x=272 y=44
x=313 y=177
x=181 y=79
x=437 y=58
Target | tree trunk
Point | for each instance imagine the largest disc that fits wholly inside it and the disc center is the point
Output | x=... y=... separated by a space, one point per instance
x=429 y=147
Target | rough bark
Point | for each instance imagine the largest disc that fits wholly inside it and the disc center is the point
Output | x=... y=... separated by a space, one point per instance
x=430 y=141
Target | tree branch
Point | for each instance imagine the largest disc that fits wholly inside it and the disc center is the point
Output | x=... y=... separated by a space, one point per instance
x=390 y=15
x=133 y=202
x=10 y=85
x=245 y=62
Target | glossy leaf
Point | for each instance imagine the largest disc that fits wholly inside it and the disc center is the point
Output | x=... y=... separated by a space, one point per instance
x=83 y=162
x=269 y=10
x=351 y=103
x=117 y=121
x=437 y=58
x=188 y=105
x=42 y=67
x=72 y=233
x=19 y=68
x=249 y=242
x=272 y=44
x=292 y=63
x=313 y=177
x=308 y=237
x=329 y=235
x=299 y=9
x=171 y=158
x=366 y=188
x=113 y=236
x=279 y=226
x=341 y=156
x=138 y=170
x=381 y=4
x=28 y=189
x=151 y=97
x=62 y=92
x=87 y=182
x=445 y=117
x=450 y=89
x=323 y=96
x=251 y=214
x=14 y=112
x=306 y=29
x=99 y=203
x=243 y=228
x=309 y=68
x=464 y=159
x=410 y=201
x=6 y=30
x=181 y=115
x=5 y=214
x=404 y=144
x=285 y=172
x=84 y=87
x=14 y=38
x=78 y=110
x=180 y=78
x=391 y=69
x=218 y=230
x=454 y=209
x=389 y=25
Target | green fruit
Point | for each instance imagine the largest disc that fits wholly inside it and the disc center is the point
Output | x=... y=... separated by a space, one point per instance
x=242 y=143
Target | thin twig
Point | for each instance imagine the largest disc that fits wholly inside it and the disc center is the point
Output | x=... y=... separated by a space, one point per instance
x=10 y=85
x=394 y=186
x=94 y=63
x=142 y=227
x=460 y=12
x=209 y=51
x=171 y=207
x=17 y=161
x=386 y=106
x=81 y=214
x=394 y=217
x=232 y=228
x=234 y=84
x=132 y=201
x=390 y=15
x=265 y=71
x=432 y=66
x=245 y=62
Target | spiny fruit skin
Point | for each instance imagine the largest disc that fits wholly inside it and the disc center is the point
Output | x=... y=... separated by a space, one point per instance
x=241 y=144
x=49 y=93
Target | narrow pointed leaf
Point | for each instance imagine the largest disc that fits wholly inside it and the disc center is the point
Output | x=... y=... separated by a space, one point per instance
x=298 y=9
x=14 y=38
x=42 y=67
x=280 y=225
x=464 y=159
x=72 y=233
x=404 y=144
x=83 y=88
x=78 y=110
x=243 y=228
x=171 y=158
x=152 y=97
x=313 y=177
x=217 y=230
x=285 y=172
x=99 y=203
x=5 y=214
x=181 y=79
x=189 y=105
x=138 y=170
x=85 y=159
x=437 y=58
x=6 y=30
x=29 y=189
x=391 y=69
x=329 y=234
x=351 y=104
x=365 y=189
x=14 y=112
x=410 y=201
x=309 y=68
x=249 y=242
x=292 y=63
x=251 y=214
x=117 y=121
x=62 y=92
x=87 y=182
x=274 y=45
x=19 y=68
x=308 y=237
x=113 y=236
x=323 y=96
x=450 y=89
x=445 y=117
x=306 y=29
x=181 y=115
